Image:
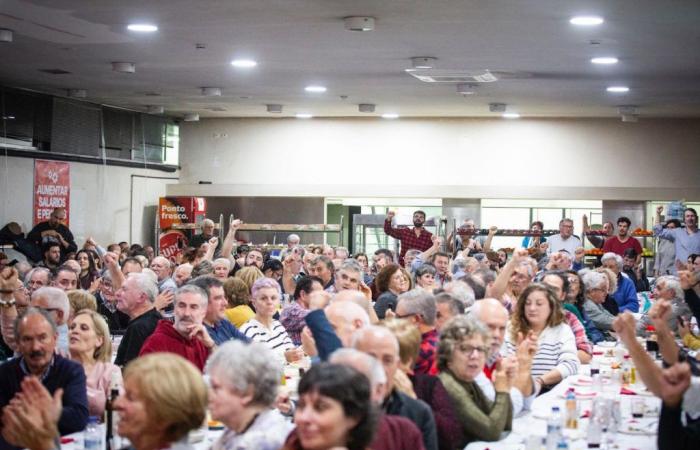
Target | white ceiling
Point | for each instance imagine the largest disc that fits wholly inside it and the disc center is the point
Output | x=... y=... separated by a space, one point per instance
x=300 y=42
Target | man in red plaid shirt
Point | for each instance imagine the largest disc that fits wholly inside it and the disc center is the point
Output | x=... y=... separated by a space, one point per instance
x=416 y=237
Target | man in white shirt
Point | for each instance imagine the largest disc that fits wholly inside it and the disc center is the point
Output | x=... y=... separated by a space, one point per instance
x=565 y=240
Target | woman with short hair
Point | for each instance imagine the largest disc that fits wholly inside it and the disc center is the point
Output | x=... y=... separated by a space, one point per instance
x=243 y=381
x=462 y=351
x=390 y=282
x=164 y=399
x=263 y=327
x=334 y=411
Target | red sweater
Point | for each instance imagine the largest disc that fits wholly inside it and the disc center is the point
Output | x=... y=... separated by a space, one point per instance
x=165 y=338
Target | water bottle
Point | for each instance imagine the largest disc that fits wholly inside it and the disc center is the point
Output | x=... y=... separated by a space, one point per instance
x=93 y=435
x=571 y=410
x=554 y=428
x=562 y=445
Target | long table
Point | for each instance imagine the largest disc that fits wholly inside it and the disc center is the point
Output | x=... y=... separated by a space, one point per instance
x=534 y=422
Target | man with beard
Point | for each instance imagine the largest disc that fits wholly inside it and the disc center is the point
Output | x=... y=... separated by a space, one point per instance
x=618 y=244
x=186 y=337
x=39 y=363
x=54 y=229
x=52 y=255
x=416 y=237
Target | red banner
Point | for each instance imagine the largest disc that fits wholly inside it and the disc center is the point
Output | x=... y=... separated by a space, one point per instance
x=51 y=189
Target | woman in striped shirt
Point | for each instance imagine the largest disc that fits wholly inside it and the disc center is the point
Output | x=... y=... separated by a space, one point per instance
x=538 y=311
x=263 y=328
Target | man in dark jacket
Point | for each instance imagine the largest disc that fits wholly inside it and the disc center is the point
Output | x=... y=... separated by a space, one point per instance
x=36 y=343
x=54 y=229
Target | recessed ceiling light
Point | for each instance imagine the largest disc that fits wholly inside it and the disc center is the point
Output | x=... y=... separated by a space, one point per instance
x=142 y=27
x=244 y=63
x=511 y=116
x=390 y=116
x=304 y=116
x=604 y=60
x=618 y=89
x=316 y=89
x=586 y=20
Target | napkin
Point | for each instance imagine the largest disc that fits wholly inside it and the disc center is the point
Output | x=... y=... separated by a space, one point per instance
x=625 y=391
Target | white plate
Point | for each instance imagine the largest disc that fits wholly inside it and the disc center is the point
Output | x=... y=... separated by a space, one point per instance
x=643 y=426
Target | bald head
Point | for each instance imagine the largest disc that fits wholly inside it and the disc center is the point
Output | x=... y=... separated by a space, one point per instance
x=346 y=317
x=366 y=365
x=355 y=297
x=380 y=343
x=494 y=315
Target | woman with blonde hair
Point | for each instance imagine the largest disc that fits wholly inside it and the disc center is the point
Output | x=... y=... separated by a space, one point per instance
x=79 y=300
x=164 y=399
x=237 y=294
x=249 y=275
x=90 y=345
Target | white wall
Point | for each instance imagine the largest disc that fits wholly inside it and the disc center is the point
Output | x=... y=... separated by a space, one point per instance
x=473 y=158
x=100 y=201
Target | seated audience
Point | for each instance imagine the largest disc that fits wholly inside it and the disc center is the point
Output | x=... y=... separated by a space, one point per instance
x=91 y=346
x=334 y=411
x=447 y=307
x=243 y=382
x=238 y=296
x=668 y=288
x=390 y=282
x=263 y=328
x=538 y=311
x=36 y=335
x=462 y=351
x=135 y=298
x=575 y=301
x=292 y=316
x=596 y=285
x=187 y=336
x=626 y=293
x=418 y=307
x=215 y=322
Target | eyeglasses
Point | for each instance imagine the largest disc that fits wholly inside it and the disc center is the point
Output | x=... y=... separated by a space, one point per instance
x=470 y=349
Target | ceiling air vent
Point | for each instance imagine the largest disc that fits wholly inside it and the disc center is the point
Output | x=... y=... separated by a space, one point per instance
x=453 y=76
x=54 y=71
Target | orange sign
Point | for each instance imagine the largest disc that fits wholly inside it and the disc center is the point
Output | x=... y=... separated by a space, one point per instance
x=51 y=189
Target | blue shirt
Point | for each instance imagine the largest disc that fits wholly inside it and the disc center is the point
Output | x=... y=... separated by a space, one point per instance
x=224 y=331
x=626 y=295
x=686 y=244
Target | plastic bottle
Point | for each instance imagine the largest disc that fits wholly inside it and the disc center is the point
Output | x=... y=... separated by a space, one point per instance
x=594 y=434
x=562 y=445
x=93 y=435
x=571 y=406
x=554 y=428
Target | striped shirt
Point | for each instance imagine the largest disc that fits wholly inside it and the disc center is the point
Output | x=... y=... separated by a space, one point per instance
x=556 y=350
x=276 y=337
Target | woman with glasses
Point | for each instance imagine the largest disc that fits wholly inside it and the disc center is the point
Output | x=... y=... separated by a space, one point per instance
x=575 y=301
x=462 y=352
x=538 y=314
x=107 y=305
x=597 y=287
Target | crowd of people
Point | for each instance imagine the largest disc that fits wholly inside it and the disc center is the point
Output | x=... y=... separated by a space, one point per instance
x=437 y=346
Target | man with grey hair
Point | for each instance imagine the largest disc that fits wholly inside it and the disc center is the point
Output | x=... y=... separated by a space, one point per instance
x=418 y=306
x=36 y=278
x=494 y=316
x=597 y=285
x=381 y=343
x=448 y=306
x=182 y=274
x=348 y=276
x=207 y=233
x=626 y=293
x=565 y=240
x=35 y=333
x=135 y=298
x=163 y=270
x=51 y=300
x=667 y=287
x=461 y=291
x=393 y=432
x=293 y=240
x=186 y=337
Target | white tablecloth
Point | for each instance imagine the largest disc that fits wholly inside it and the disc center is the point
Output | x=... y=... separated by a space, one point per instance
x=534 y=422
